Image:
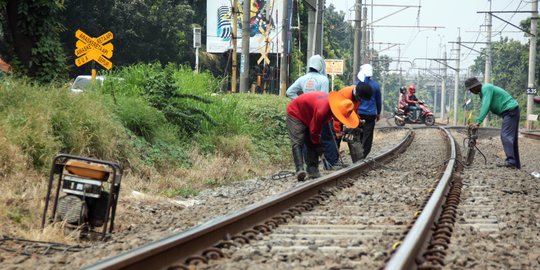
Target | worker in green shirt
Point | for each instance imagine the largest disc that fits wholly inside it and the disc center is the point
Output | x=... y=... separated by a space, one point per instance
x=499 y=102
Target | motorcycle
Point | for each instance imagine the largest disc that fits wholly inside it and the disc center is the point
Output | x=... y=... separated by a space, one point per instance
x=424 y=117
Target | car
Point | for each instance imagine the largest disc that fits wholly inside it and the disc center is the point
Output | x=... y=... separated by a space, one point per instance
x=84 y=82
x=537 y=100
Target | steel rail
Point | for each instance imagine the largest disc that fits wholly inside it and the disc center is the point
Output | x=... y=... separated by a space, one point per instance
x=178 y=247
x=531 y=135
x=416 y=239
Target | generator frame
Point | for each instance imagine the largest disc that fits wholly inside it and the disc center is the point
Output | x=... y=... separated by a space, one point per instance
x=114 y=180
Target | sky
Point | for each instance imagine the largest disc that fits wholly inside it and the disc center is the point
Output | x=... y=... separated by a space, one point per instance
x=430 y=43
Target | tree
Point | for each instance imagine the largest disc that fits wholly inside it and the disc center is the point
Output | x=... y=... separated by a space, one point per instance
x=31 y=31
x=144 y=30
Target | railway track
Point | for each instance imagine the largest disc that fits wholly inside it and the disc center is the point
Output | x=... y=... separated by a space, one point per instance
x=280 y=216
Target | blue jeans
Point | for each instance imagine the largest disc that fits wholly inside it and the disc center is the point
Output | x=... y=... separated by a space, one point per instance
x=328 y=140
x=509 y=136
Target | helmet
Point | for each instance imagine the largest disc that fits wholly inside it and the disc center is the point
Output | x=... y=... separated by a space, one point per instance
x=402 y=89
x=412 y=88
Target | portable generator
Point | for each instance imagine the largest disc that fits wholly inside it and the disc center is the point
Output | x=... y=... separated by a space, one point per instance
x=85 y=196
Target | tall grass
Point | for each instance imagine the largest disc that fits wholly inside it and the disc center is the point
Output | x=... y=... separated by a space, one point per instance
x=172 y=129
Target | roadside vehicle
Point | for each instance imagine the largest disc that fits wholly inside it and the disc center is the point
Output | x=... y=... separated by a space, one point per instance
x=83 y=82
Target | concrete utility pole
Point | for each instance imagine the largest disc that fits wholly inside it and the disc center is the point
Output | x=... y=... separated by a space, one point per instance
x=364 y=37
x=532 y=61
x=284 y=71
x=234 y=12
x=456 y=83
x=244 y=60
x=487 y=71
x=443 y=86
x=357 y=38
x=315 y=24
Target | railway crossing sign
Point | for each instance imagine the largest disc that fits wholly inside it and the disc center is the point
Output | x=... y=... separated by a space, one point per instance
x=334 y=66
x=266 y=38
x=94 y=49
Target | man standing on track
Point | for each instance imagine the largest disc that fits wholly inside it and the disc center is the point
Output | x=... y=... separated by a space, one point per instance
x=370 y=109
x=499 y=102
x=306 y=116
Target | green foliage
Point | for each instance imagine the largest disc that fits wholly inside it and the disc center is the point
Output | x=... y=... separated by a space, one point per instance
x=144 y=31
x=43 y=121
x=18 y=214
x=33 y=38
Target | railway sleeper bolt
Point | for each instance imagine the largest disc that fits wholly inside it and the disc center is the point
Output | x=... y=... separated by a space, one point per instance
x=280 y=220
x=262 y=228
x=213 y=254
x=225 y=244
x=319 y=198
x=195 y=260
x=429 y=266
x=178 y=267
x=434 y=252
x=314 y=201
x=308 y=205
x=448 y=219
x=250 y=234
x=272 y=224
x=435 y=260
x=445 y=226
x=287 y=214
x=443 y=236
x=297 y=210
x=240 y=239
x=438 y=242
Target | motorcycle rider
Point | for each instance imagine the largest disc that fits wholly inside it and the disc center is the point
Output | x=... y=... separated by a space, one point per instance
x=412 y=101
x=401 y=101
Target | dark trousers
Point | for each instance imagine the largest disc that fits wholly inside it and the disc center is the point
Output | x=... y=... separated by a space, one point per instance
x=369 y=128
x=509 y=136
x=328 y=140
x=299 y=135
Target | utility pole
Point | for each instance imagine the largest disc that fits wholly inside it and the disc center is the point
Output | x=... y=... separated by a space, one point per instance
x=364 y=37
x=456 y=83
x=315 y=32
x=284 y=71
x=487 y=71
x=532 y=61
x=244 y=60
x=234 y=12
x=357 y=37
x=443 y=86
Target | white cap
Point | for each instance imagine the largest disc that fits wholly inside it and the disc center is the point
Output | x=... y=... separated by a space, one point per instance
x=366 y=70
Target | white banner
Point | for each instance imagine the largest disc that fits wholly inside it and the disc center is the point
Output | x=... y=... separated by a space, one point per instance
x=266 y=17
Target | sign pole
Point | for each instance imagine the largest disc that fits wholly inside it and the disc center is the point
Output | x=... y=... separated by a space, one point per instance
x=94 y=72
x=333 y=81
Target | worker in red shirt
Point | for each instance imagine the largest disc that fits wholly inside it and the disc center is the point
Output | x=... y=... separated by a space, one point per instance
x=306 y=116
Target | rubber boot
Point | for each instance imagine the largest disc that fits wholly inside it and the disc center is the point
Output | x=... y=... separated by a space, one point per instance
x=312 y=164
x=299 y=163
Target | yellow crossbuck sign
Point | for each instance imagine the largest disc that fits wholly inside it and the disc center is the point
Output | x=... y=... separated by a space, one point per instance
x=266 y=38
x=89 y=48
